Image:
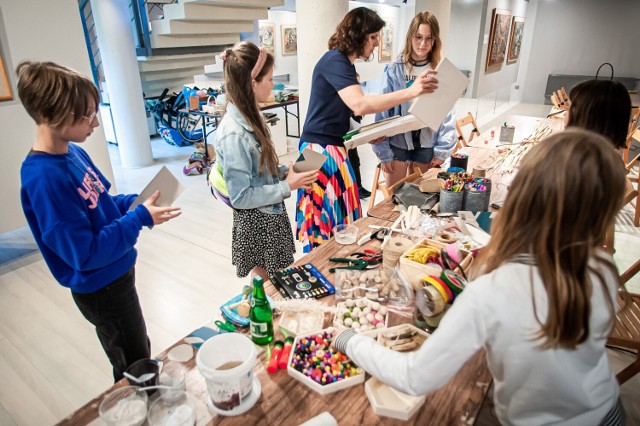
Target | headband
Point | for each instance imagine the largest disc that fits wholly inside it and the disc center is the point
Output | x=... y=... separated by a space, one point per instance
x=262 y=58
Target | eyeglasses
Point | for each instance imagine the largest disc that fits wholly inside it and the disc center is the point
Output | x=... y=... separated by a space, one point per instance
x=419 y=39
x=89 y=117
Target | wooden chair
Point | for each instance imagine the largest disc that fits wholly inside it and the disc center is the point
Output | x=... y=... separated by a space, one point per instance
x=379 y=184
x=634 y=133
x=626 y=334
x=630 y=194
x=466 y=120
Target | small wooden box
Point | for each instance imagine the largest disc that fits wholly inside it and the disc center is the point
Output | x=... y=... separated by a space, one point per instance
x=414 y=271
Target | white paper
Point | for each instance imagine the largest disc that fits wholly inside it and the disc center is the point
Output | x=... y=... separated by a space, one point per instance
x=164 y=181
x=309 y=160
x=427 y=110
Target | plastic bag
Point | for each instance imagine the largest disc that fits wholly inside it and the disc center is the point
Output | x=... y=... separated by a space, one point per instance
x=409 y=194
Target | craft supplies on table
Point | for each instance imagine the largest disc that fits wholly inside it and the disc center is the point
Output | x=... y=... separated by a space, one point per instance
x=302 y=282
x=313 y=350
x=389 y=402
x=425 y=258
x=361 y=315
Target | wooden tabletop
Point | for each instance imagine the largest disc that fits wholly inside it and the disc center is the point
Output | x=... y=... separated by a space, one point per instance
x=284 y=400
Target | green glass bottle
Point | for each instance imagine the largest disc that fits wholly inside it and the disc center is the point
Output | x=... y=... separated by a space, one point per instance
x=260 y=314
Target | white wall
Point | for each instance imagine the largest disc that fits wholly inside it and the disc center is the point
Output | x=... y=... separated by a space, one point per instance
x=576 y=36
x=37 y=30
x=285 y=64
x=487 y=82
x=464 y=27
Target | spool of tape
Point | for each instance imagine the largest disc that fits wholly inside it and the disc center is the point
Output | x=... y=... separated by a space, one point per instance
x=429 y=301
x=442 y=288
x=445 y=237
x=454 y=281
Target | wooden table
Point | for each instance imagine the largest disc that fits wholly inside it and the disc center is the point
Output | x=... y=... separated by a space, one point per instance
x=286 y=401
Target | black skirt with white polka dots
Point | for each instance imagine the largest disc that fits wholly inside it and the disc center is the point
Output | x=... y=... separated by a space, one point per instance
x=261 y=239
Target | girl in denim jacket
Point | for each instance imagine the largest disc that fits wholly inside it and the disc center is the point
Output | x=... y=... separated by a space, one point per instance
x=262 y=238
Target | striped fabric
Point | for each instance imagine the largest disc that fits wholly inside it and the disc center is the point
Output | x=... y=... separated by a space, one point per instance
x=333 y=199
x=616 y=416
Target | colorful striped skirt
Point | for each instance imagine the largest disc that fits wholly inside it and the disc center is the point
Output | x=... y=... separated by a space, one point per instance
x=333 y=199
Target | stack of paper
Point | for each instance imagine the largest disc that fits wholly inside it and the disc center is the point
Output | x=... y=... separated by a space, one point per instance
x=427 y=110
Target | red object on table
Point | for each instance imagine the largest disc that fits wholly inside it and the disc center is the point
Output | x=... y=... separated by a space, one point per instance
x=276 y=354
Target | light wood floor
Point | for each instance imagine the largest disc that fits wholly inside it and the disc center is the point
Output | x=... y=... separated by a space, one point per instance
x=50 y=360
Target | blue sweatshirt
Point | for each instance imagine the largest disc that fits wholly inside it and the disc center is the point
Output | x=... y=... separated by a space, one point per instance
x=86 y=236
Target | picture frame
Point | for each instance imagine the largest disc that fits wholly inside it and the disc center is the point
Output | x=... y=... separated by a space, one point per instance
x=5 y=86
x=385 y=48
x=289 y=39
x=498 y=38
x=515 y=42
x=267 y=34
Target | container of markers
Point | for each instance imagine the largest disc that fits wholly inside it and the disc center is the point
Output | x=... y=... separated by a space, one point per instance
x=459 y=160
x=452 y=192
x=476 y=195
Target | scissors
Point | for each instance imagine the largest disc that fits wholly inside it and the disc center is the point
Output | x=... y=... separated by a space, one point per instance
x=352 y=263
x=225 y=326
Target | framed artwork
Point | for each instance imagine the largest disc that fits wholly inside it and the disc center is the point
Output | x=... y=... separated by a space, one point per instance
x=5 y=86
x=267 y=36
x=289 y=39
x=498 y=37
x=385 y=48
x=515 y=42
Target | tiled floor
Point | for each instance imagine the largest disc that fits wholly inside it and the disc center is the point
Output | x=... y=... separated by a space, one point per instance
x=50 y=360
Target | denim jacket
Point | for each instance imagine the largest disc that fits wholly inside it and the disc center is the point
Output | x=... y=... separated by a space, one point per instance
x=443 y=141
x=238 y=152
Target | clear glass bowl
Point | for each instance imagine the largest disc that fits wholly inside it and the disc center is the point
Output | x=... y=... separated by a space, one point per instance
x=125 y=406
x=176 y=408
x=345 y=234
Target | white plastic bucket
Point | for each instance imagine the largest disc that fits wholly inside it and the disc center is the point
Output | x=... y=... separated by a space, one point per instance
x=228 y=386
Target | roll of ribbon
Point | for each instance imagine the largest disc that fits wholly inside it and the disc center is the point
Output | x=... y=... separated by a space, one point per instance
x=434 y=321
x=454 y=281
x=429 y=301
x=447 y=294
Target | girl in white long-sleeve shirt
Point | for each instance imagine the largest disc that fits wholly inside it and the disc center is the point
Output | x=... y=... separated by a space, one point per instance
x=544 y=304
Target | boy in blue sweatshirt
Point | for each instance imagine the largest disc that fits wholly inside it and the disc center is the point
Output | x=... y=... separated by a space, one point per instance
x=86 y=236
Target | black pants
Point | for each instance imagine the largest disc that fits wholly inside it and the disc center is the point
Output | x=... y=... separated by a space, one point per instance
x=116 y=313
x=354 y=159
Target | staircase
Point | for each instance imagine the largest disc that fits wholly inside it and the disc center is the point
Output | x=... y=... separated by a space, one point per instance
x=177 y=39
x=184 y=39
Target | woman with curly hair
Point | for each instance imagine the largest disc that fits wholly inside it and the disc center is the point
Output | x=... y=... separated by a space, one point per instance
x=335 y=96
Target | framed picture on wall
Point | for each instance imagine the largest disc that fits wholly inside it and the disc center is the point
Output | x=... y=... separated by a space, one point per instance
x=515 y=42
x=5 y=86
x=385 y=48
x=289 y=39
x=267 y=36
x=498 y=37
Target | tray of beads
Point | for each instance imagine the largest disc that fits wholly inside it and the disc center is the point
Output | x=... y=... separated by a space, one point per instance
x=320 y=367
x=361 y=315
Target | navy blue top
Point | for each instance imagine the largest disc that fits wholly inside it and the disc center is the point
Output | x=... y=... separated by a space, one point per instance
x=328 y=117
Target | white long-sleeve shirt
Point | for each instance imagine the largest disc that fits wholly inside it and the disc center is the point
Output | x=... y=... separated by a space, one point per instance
x=532 y=386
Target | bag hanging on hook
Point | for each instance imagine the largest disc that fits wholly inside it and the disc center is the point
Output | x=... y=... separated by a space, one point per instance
x=600 y=67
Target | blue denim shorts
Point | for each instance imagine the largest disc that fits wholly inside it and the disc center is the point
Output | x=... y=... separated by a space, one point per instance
x=420 y=155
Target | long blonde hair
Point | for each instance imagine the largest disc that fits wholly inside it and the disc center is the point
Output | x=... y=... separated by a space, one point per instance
x=238 y=65
x=561 y=203
x=434 y=56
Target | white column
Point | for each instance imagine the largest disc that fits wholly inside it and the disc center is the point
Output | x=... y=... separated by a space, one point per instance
x=316 y=21
x=120 y=65
x=442 y=10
